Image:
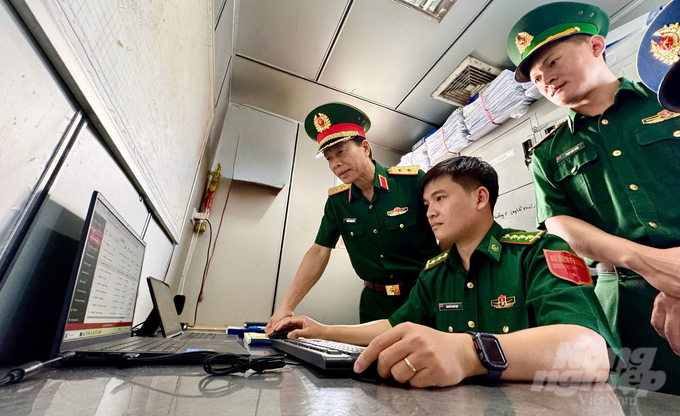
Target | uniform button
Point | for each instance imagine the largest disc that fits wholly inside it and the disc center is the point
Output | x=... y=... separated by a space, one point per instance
x=505 y=329
x=351 y=233
x=450 y=329
x=470 y=285
x=605 y=121
x=676 y=133
x=375 y=231
x=652 y=224
x=370 y=207
x=573 y=170
x=382 y=257
x=633 y=187
x=471 y=324
x=616 y=153
x=401 y=225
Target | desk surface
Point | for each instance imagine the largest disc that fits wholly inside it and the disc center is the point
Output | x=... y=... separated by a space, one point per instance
x=296 y=390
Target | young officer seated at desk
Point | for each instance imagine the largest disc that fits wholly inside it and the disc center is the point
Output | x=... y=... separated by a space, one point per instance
x=527 y=288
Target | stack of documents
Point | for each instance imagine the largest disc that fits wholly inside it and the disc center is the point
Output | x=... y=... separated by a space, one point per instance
x=418 y=157
x=502 y=99
x=449 y=139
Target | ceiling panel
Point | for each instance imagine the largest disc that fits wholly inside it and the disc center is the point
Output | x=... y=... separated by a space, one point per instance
x=484 y=40
x=290 y=34
x=279 y=93
x=223 y=45
x=385 y=48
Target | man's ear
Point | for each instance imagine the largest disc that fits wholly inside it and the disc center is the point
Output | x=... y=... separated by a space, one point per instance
x=367 y=147
x=597 y=45
x=482 y=197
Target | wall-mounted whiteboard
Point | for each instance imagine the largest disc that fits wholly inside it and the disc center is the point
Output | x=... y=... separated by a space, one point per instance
x=143 y=70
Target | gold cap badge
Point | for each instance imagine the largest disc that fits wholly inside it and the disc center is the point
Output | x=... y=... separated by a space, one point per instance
x=669 y=45
x=322 y=122
x=523 y=40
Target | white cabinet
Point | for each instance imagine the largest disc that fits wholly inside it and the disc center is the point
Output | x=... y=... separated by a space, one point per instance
x=262 y=143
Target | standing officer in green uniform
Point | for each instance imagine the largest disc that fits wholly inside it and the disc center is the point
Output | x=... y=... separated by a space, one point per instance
x=607 y=180
x=529 y=288
x=378 y=212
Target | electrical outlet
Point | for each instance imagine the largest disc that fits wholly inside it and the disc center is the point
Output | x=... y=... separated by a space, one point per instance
x=197 y=217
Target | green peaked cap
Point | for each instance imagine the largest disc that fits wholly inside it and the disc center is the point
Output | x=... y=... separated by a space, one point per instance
x=549 y=23
x=334 y=123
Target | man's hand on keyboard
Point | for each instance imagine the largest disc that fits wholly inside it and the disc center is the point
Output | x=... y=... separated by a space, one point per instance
x=305 y=327
x=275 y=319
x=422 y=356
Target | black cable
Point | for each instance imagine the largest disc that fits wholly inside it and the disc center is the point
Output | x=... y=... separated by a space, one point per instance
x=221 y=364
x=205 y=272
x=17 y=374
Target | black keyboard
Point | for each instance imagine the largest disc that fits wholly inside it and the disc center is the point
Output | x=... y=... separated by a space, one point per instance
x=327 y=355
x=144 y=345
x=198 y=335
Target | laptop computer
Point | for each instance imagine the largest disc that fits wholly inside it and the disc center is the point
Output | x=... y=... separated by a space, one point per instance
x=170 y=326
x=96 y=318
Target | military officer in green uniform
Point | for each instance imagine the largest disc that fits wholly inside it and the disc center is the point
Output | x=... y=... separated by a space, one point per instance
x=378 y=212
x=527 y=288
x=608 y=179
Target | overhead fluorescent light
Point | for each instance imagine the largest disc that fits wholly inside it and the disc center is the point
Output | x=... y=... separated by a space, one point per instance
x=432 y=9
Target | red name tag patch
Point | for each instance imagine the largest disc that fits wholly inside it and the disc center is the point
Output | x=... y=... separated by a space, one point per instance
x=568 y=266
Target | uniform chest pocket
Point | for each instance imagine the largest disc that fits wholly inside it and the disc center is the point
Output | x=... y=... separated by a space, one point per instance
x=581 y=178
x=660 y=144
x=400 y=222
x=352 y=230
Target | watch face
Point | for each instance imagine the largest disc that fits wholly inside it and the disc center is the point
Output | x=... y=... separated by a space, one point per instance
x=492 y=350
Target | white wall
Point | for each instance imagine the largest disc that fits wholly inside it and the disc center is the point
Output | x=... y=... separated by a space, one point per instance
x=242 y=276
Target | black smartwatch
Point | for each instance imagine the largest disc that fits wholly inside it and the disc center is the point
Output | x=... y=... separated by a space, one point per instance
x=490 y=354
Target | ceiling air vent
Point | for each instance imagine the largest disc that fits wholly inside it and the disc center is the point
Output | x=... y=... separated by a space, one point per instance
x=465 y=81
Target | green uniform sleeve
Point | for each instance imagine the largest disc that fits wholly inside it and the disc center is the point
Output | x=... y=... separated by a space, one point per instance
x=329 y=231
x=551 y=199
x=418 y=308
x=552 y=300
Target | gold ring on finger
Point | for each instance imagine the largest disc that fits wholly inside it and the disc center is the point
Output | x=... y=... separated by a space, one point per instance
x=408 y=363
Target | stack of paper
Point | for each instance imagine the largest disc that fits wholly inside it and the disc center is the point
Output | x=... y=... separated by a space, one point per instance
x=501 y=99
x=421 y=158
x=449 y=139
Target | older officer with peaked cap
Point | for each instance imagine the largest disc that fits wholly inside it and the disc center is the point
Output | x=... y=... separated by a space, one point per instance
x=378 y=212
x=608 y=180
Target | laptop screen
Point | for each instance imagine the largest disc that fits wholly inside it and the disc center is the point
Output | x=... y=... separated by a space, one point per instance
x=107 y=276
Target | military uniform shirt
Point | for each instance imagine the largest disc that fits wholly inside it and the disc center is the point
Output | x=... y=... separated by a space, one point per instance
x=388 y=238
x=619 y=171
x=509 y=287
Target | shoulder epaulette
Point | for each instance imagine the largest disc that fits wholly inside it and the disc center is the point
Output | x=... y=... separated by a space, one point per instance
x=437 y=260
x=548 y=136
x=340 y=188
x=403 y=170
x=522 y=237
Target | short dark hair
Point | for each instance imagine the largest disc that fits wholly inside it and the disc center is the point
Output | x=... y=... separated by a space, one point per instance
x=358 y=140
x=467 y=171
